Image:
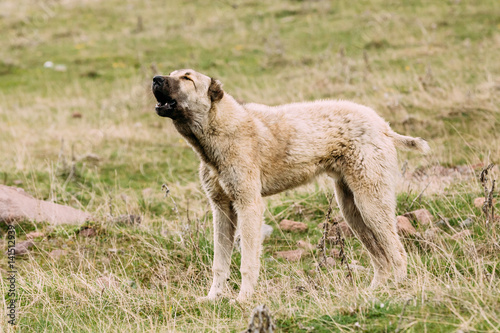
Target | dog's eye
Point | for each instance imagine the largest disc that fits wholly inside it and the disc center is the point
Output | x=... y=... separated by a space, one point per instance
x=186 y=78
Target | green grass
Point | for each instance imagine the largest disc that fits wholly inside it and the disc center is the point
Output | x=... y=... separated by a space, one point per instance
x=429 y=68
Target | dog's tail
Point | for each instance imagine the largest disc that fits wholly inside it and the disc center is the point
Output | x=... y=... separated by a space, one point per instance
x=410 y=143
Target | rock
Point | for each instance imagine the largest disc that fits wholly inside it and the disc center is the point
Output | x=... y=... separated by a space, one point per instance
x=479 y=202
x=422 y=216
x=127 y=219
x=441 y=223
x=467 y=222
x=461 y=235
x=431 y=234
x=404 y=226
x=56 y=254
x=88 y=232
x=22 y=248
x=91 y=157
x=76 y=115
x=335 y=253
x=331 y=262
x=147 y=192
x=288 y=225
x=357 y=268
x=107 y=282
x=343 y=227
x=35 y=234
x=266 y=231
x=292 y=255
x=305 y=245
x=17 y=205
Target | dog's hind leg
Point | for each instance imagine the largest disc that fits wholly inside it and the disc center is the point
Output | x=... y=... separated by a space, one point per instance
x=371 y=216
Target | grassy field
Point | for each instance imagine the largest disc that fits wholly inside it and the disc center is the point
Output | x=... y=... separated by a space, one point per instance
x=77 y=127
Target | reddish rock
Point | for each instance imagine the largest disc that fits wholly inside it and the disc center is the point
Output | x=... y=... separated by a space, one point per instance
x=35 y=234
x=292 y=255
x=479 y=202
x=461 y=235
x=57 y=253
x=422 y=216
x=17 y=205
x=404 y=226
x=305 y=245
x=76 y=115
x=289 y=225
x=89 y=232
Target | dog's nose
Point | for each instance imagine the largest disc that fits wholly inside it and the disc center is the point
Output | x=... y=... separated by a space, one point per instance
x=158 y=79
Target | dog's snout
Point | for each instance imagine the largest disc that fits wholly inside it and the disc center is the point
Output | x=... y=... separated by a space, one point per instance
x=158 y=79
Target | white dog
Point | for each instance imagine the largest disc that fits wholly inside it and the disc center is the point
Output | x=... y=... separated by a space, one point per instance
x=250 y=151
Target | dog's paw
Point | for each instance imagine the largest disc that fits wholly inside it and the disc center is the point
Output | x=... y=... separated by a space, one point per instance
x=244 y=297
x=208 y=298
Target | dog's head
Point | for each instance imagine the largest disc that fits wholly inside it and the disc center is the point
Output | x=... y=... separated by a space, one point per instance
x=185 y=94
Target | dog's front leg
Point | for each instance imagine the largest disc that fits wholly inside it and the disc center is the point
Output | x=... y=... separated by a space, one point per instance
x=224 y=229
x=224 y=216
x=250 y=220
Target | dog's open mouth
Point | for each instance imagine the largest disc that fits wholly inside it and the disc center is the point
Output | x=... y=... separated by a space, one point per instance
x=164 y=104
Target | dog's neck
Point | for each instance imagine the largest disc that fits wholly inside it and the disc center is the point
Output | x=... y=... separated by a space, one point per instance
x=212 y=137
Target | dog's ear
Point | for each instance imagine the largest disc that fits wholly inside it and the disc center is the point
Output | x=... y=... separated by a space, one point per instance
x=215 y=91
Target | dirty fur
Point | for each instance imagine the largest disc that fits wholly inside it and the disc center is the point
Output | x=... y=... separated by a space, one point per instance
x=250 y=151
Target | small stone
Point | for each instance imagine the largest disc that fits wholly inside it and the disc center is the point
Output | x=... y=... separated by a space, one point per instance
x=147 y=192
x=335 y=253
x=404 y=226
x=266 y=231
x=292 y=255
x=89 y=232
x=479 y=202
x=288 y=225
x=127 y=219
x=344 y=229
x=431 y=234
x=22 y=248
x=441 y=223
x=76 y=115
x=91 y=157
x=56 y=254
x=107 y=282
x=305 y=245
x=357 y=268
x=60 y=68
x=467 y=222
x=461 y=235
x=35 y=234
x=331 y=262
x=422 y=216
